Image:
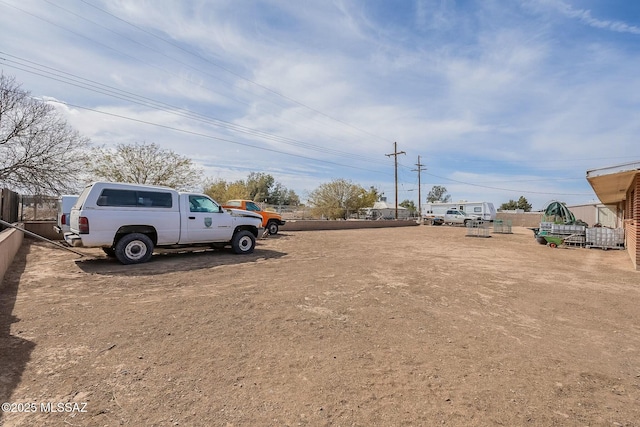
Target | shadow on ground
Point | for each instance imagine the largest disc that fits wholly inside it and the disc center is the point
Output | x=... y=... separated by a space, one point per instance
x=166 y=261
x=15 y=352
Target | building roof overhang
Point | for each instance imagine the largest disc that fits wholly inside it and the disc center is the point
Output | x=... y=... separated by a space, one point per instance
x=611 y=183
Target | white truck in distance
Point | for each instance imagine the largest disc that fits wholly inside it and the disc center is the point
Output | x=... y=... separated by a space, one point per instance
x=65 y=203
x=129 y=220
x=448 y=216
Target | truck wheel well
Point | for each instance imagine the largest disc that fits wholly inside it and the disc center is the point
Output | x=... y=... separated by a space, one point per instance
x=253 y=230
x=143 y=229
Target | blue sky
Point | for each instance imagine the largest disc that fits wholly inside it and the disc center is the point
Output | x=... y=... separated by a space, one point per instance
x=500 y=99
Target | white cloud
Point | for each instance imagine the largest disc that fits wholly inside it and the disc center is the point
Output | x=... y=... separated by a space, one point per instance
x=584 y=15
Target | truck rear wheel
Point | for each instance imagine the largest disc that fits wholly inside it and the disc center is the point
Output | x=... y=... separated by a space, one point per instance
x=272 y=227
x=134 y=248
x=243 y=242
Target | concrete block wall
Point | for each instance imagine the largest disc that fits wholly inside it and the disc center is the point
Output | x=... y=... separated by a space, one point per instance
x=308 y=225
x=527 y=219
x=10 y=241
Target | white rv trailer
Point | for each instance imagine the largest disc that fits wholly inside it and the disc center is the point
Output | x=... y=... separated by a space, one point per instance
x=484 y=210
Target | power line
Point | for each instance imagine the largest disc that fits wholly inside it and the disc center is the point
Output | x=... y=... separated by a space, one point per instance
x=199 y=134
x=230 y=126
x=507 y=189
x=268 y=89
x=77 y=81
x=135 y=58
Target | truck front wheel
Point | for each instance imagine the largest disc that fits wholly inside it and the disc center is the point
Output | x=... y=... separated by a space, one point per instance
x=243 y=242
x=272 y=227
x=134 y=248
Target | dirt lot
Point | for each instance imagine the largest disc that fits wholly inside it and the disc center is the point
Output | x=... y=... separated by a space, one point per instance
x=403 y=326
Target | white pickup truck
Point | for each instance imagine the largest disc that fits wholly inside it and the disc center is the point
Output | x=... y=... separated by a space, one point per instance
x=129 y=220
x=451 y=216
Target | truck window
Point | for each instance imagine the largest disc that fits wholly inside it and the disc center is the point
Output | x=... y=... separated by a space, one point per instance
x=154 y=199
x=111 y=197
x=252 y=207
x=132 y=198
x=202 y=204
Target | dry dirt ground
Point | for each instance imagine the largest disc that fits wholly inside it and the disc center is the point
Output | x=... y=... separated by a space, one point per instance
x=414 y=326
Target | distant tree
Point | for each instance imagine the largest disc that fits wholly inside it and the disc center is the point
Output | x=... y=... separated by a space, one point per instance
x=291 y=199
x=280 y=195
x=522 y=203
x=145 y=163
x=337 y=199
x=509 y=206
x=438 y=194
x=222 y=191
x=409 y=205
x=39 y=151
x=259 y=187
x=369 y=197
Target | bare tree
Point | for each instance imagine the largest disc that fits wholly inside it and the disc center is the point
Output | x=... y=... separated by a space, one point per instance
x=39 y=151
x=145 y=163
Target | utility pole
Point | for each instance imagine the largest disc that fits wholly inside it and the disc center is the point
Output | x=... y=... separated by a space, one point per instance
x=420 y=168
x=395 y=154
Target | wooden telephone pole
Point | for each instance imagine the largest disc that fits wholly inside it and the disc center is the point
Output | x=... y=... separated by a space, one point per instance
x=395 y=154
x=420 y=168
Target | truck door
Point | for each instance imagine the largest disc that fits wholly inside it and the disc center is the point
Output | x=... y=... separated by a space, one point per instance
x=205 y=221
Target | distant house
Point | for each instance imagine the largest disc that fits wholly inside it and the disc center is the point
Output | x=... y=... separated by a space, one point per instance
x=383 y=210
x=618 y=187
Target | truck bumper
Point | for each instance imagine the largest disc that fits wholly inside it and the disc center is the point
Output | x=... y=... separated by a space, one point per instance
x=73 y=240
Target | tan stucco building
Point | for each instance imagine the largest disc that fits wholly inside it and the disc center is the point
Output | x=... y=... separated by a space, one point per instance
x=620 y=186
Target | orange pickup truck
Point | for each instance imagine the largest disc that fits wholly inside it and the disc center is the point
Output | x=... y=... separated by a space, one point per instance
x=271 y=221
